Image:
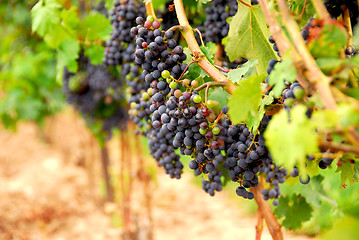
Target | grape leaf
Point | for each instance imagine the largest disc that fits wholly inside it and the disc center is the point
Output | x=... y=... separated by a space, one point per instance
x=291 y=138
x=45 y=15
x=67 y=54
x=248 y=37
x=70 y=20
x=254 y=119
x=219 y=95
x=194 y=71
x=97 y=26
x=245 y=99
x=55 y=36
x=283 y=71
x=95 y=53
x=236 y=74
x=295 y=211
x=344 y=228
x=356 y=37
x=347 y=170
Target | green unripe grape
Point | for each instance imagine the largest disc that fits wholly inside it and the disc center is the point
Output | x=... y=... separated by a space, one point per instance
x=145 y=96
x=173 y=85
x=197 y=99
x=133 y=105
x=150 y=18
x=216 y=130
x=202 y=131
x=165 y=74
x=298 y=92
x=289 y=102
x=168 y=80
x=149 y=91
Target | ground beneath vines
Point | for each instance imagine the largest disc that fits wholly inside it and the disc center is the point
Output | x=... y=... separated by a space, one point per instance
x=48 y=192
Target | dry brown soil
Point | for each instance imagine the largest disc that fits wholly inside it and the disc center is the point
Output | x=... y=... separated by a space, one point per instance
x=46 y=193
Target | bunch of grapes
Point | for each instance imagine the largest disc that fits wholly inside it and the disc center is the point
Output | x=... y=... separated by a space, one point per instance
x=216 y=26
x=97 y=93
x=176 y=117
x=120 y=48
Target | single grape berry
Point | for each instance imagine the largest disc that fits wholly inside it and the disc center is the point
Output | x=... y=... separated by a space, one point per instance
x=165 y=74
x=197 y=99
x=216 y=130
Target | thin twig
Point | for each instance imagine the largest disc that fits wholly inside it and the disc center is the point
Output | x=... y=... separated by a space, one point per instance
x=203 y=62
x=217 y=119
x=222 y=69
x=200 y=36
x=304 y=5
x=184 y=71
x=206 y=94
x=212 y=84
x=248 y=5
x=175 y=27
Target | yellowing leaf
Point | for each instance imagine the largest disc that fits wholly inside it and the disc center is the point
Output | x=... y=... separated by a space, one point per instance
x=291 y=138
x=245 y=99
x=45 y=14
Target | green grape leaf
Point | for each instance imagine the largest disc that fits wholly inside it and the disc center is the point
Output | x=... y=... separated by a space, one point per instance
x=219 y=95
x=67 y=54
x=347 y=171
x=352 y=92
x=295 y=210
x=325 y=119
x=254 y=119
x=45 y=15
x=70 y=20
x=236 y=74
x=108 y=4
x=283 y=71
x=245 y=99
x=348 y=115
x=344 y=228
x=356 y=37
x=298 y=6
x=55 y=36
x=291 y=138
x=195 y=71
x=95 y=53
x=248 y=37
x=97 y=26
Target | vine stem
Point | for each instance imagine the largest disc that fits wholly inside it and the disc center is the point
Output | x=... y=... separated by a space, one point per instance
x=203 y=62
x=149 y=9
x=281 y=39
x=348 y=25
x=266 y=211
x=314 y=74
x=259 y=226
x=340 y=147
x=320 y=9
